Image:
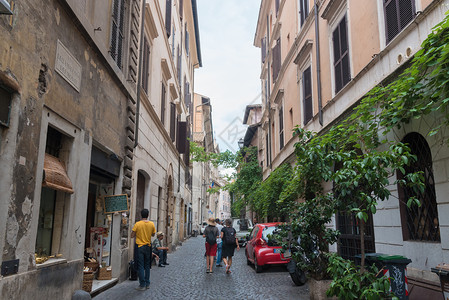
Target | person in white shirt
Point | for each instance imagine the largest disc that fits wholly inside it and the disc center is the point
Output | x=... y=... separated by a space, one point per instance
x=219 y=243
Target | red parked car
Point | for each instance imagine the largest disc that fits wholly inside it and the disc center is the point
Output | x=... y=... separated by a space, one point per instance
x=262 y=251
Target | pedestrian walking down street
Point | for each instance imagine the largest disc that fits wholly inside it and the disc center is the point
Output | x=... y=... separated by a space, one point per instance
x=219 y=243
x=143 y=231
x=230 y=242
x=211 y=234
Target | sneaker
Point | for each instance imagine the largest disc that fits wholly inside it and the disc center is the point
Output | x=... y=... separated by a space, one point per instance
x=161 y=266
x=166 y=264
x=147 y=287
x=140 y=288
x=219 y=265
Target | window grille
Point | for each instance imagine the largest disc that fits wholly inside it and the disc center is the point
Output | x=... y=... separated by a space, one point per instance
x=349 y=239
x=117 y=31
x=419 y=223
x=398 y=14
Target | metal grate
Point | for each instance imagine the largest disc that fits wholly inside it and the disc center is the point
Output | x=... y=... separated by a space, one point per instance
x=420 y=223
x=349 y=239
x=398 y=14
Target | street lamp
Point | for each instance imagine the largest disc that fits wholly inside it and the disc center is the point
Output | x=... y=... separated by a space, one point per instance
x=241 y=143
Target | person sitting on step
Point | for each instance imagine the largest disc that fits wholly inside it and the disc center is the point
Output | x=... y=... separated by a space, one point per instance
x=160 y=250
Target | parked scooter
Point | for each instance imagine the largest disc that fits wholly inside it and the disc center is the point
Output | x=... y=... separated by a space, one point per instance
x=297 y=275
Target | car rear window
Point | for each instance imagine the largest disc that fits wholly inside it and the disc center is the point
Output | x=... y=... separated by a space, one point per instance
x=269 y=234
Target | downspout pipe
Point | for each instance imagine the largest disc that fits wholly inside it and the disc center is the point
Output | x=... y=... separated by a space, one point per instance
x=139 y=76
x=318 y=65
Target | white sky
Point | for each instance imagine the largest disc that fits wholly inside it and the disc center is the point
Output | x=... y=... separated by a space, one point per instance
x=231 y=64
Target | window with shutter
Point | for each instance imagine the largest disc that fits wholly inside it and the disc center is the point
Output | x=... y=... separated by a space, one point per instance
x=181 y=9
x=168 y=17
x=163 y=96
x=303 y=10
x=264 y=49
x=281 y=128
x=307 y=95
x=118 y=14
x=266 y=150
x=187 y=41
x=398 y=14
x=145 y=65
x=181 y=141
x=172 y=121
x=341 y=55
x=276 y=59
x=178 y=68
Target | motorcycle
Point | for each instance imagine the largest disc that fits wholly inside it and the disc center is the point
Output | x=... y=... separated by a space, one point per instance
x=297 y=275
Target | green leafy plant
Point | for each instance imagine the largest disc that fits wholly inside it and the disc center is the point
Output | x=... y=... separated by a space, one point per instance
x=349 y=283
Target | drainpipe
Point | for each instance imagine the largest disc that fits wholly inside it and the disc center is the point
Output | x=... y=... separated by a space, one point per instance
x=318 y=65
x=139 y=76
x=269 y=95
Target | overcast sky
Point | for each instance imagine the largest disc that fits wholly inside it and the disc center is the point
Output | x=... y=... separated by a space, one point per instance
x=231 y=64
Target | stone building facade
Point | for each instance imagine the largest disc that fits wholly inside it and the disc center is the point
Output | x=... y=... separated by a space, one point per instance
x=318 y=59
x=79 y=125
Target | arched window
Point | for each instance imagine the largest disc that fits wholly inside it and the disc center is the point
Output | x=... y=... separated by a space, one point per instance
x=419 y=223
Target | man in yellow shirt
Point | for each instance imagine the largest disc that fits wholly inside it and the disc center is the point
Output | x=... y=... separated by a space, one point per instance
x=143 y=231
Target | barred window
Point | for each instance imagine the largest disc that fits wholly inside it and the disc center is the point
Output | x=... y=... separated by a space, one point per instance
x=419 y=223
x=118 y=14
x=398 y=14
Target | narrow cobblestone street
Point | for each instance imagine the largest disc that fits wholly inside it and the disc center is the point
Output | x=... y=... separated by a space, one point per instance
x=186 y=278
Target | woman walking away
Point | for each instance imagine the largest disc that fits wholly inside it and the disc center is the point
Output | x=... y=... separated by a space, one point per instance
x=230 y=242
x=211 y=234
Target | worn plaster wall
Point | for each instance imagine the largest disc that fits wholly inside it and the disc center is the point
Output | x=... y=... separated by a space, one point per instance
x=95 y=114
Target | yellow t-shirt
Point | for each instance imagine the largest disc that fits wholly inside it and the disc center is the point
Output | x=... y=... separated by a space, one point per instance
x=144 y=231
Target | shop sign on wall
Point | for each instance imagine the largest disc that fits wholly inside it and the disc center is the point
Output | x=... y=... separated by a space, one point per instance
x=68 y=66
x=115 y=203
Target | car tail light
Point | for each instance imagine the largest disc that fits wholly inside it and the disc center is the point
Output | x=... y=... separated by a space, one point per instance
x=261 y=242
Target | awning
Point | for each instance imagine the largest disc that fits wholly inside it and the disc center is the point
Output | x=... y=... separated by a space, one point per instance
x=55 y=176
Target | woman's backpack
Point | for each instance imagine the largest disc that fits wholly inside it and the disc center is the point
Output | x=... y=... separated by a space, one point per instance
x=229 y=236
x=211 y=236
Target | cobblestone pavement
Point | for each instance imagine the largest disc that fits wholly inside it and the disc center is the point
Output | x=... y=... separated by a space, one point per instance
x=186 y=278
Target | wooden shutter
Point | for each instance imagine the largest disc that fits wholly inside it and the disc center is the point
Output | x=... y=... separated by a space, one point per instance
x=281 y=128
x=276 y=59
x=168 y=17
x=266 y=150
x=303 y=10
x=172 y=121
x=341 y=55
x=307 y=95
x=398 y=14
x=187 y=41
x=163 y=92
x=181 y=142
x=264 y=49
x=118 y=13
x=145 y=67
x=181 y=9
x=178 y=67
